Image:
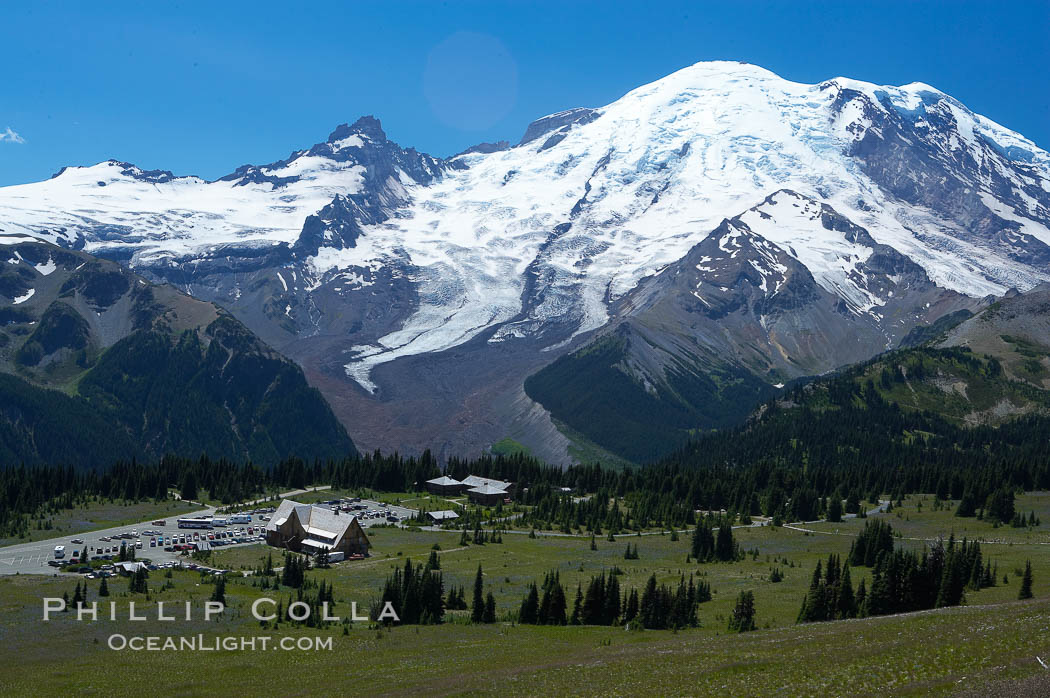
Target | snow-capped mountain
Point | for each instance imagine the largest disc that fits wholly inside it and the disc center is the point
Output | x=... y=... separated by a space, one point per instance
x=860 y=210
x=153 y=217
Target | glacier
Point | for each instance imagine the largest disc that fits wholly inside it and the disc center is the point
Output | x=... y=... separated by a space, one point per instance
x=503 y=243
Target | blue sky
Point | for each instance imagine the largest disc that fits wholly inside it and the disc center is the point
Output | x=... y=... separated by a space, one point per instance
x=202 y=88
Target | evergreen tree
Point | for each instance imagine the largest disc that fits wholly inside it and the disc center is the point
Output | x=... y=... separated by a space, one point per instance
x=953 y=578
x=490 y=609
x=577 y=607
x=725 y=547
x=558 y=605
x=593 y=612
x=862 y=599
x=967 y=505
x=631 y=610
x=743 y=617
x=649 y=605
x=611 y=610
x=188 y=487
x=835 y=510
x=219 y=591
x=529 y=612
x=814 y=608
x=703 y=545
x=103 y=588
x=1000 y=505
x=1026 y=582
x=846 y=604
x=477 y=609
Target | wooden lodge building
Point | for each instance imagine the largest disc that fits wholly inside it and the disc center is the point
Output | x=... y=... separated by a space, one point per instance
x=445 y=485
x=305 y=528
x=480 y=490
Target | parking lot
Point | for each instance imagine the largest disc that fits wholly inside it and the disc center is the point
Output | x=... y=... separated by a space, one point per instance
x=372 y=513
x=33 y=558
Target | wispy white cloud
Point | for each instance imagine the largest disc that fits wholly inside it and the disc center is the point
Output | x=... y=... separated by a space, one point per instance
x=10 y=136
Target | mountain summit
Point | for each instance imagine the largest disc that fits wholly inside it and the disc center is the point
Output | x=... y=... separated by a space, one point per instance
x=720 y=221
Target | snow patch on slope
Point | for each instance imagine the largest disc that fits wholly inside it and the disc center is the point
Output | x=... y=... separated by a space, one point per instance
x=22 y=299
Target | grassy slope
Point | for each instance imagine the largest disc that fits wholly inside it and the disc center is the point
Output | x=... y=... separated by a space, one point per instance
x=920 y=653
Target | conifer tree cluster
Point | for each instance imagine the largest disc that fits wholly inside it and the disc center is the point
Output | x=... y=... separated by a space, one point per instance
x=551 y=609
x=707 y=546
x=79 y=595
x=457 y=600
x=901 y=580
x=658 y=606
x=601 y=603
x=830 y=595
x=137 y=582
x=1020 y=520
x=294 y=573
x=482 y=608
x=315 y=602
x=416 y=594
x=874 y=539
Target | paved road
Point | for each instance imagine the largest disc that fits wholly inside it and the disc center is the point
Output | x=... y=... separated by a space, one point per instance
x=881 y=508
x=284 y=495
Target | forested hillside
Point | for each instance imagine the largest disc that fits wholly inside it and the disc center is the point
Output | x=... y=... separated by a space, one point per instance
x=152 y=394
x=592 y=391
x=100 y=365
x=898 y=424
